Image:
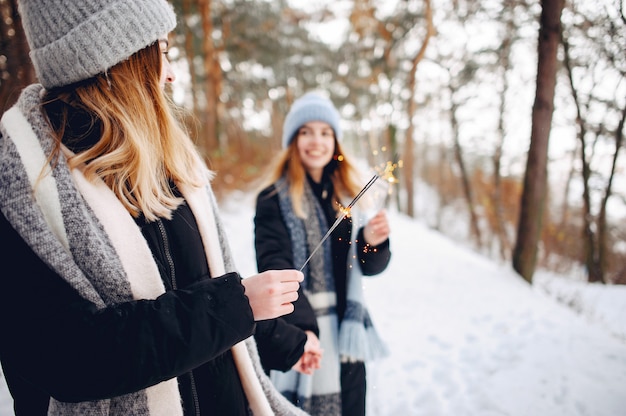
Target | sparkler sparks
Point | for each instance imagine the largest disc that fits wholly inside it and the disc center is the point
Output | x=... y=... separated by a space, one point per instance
x=385 y=173
x=344 y=212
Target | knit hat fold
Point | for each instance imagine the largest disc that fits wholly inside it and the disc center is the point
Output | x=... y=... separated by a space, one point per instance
x=71 y=41
x=312 y=106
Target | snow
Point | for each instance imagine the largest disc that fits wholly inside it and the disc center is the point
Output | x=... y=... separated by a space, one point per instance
x=470 y=337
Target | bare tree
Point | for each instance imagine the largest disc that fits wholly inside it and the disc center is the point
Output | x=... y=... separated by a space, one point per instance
x=599 y=120
x=590 y=237
x=187 y=11
x=535 y=179
x=463 y=170
x=603 y=249
x=16 y=69
x=504 y=55
x=411 y=110
x=378 y=51
x=212 y=79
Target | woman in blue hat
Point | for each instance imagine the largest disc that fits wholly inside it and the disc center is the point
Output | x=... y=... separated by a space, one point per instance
x=312 y=181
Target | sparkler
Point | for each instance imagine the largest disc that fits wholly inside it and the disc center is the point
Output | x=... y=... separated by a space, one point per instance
x=386 y=173
x=344 y=212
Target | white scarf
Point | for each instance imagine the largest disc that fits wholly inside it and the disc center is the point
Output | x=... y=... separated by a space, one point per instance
x=131 y=273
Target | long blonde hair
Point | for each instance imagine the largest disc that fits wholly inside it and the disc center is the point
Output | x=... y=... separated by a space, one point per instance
x=343 y=174
x=142 y=146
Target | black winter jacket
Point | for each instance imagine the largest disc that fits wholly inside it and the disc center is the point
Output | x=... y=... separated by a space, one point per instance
x=61 y=345
x=274 y=251
x=55 y=343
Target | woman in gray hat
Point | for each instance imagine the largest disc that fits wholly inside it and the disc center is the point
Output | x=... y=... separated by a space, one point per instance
x=310 y=182
x=119 y=295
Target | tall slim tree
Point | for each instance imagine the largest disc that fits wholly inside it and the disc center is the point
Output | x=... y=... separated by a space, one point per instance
x=16 y=70
x=412 y=109
x=376 y=51
x=212 y=80
x=464 y=174
x=505 y=66
x=536 y=176
x=589 y=46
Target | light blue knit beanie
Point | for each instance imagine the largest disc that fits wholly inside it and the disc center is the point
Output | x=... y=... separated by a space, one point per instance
x=312 y=106
x=73 y=40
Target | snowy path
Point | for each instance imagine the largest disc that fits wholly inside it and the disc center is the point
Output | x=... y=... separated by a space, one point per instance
x=471 y=338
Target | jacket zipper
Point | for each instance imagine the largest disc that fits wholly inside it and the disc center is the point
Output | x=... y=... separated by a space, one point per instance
x=170 y=261
x=168 y=254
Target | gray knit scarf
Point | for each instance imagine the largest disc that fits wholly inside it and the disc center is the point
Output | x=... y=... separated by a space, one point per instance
x=355 y=339
x=84 y=234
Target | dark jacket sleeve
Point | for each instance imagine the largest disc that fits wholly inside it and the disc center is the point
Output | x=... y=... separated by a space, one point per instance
x=274 y=252
x=281 y=341
x=61 y=344
x=373 y=259
x=280 y=344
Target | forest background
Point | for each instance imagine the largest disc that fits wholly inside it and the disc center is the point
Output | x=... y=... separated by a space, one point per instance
x=507 y=113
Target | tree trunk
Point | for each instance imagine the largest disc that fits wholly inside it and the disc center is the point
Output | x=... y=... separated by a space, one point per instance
x=210 y=128
x=504 y=245
x=465 y=180
x=392 y=135
x=535 y=179
x=412 y=108
x=18 y=71
x=590 y=238
x=190 y=55
x=565 y=212
x=603 y=250
x=409 y=161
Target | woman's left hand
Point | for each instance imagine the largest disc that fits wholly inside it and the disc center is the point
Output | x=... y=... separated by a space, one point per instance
x=377 y=229
x=312 y=357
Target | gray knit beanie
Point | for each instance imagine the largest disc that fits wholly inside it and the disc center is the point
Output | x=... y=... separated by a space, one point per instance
x=310 y=107
x=73 y=40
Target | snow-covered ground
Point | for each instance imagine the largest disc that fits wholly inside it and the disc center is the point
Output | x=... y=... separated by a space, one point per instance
x=468 y=337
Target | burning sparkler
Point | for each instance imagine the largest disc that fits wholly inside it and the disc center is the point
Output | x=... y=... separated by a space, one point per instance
x=386 y=173
x=344 y=212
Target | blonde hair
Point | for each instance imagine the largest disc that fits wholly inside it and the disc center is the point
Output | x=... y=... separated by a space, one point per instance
x=142 y=146
x=343 y=174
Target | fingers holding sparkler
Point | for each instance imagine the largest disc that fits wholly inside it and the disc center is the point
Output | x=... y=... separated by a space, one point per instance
x=271 y=294
x=343 y=213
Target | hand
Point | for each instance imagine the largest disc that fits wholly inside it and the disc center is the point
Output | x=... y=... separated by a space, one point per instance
x=270 y=293
x=377 y=229
x=311 y=359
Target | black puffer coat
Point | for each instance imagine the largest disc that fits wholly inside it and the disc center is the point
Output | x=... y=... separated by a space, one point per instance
x=274 y=251
x=48 y=320
x=63 y=346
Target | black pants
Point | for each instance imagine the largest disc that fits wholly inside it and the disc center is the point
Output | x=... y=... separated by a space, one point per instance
x=353 y=389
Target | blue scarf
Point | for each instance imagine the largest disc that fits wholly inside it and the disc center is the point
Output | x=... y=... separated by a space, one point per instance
x=355 y=339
